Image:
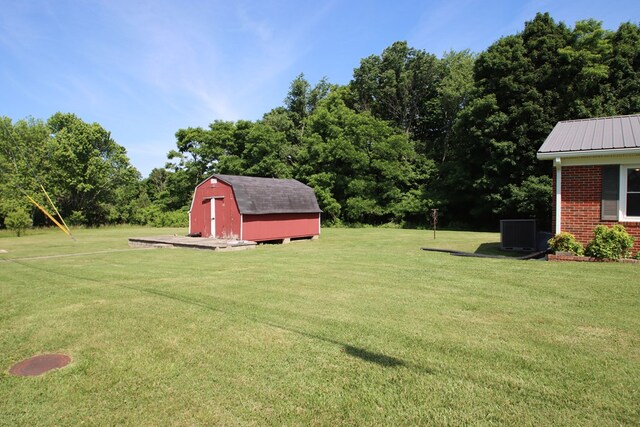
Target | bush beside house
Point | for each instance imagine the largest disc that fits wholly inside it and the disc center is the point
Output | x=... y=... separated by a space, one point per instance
x=608 y=244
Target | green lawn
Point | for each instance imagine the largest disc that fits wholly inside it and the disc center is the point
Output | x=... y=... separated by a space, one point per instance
x=358 y=328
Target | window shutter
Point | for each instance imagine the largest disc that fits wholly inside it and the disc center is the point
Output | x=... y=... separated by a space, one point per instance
x=610 y=192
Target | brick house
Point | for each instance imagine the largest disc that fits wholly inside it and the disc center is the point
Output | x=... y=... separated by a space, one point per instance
x=597 y=175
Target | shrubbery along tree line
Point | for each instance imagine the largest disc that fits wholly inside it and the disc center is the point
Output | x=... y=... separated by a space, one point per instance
x=409 y=133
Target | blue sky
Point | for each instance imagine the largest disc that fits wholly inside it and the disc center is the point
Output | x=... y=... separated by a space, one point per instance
x=144 y=69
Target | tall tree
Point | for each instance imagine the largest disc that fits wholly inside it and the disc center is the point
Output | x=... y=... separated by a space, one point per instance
x=624 y=68
x=87 y=169
x=586 y=55
x=24 y=164
x=84 y=171
x=362 y=169
x=477 y=121
x=398 y=86
x=301 y=101
x=525 y=83
x=454 y=92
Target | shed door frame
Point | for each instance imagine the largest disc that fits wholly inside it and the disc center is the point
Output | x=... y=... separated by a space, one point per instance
x=212 y=216
x=212 y=213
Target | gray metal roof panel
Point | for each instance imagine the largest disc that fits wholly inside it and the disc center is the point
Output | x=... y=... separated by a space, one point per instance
x=608 y=135
x=629 y=134
x=585 y=135
x=592 y=136
x=256 y=196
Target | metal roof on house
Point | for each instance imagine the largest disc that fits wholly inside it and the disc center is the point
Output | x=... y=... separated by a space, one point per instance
x=596 y=136
x=270 y=195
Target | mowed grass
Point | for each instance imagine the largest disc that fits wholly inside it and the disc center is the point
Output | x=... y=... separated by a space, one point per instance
x=358 y=328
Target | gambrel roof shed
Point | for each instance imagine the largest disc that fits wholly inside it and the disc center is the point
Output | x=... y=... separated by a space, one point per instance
x=259 y=196
x=254 y=208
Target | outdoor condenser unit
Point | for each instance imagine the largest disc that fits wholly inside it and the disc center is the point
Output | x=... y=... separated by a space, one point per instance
x=518 y=234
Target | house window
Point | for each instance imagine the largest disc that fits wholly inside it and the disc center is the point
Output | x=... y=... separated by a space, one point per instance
x=610 y=192
x=632 y=192
x=620 y=193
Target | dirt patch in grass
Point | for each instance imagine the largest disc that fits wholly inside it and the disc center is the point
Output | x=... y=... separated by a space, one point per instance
x=38 y=365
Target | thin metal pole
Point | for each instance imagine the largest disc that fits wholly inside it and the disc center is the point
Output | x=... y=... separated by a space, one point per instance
x=435 y=222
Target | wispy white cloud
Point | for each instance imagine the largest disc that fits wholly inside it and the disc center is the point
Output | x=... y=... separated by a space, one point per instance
x=16 y=30
x=466 y=24
x=438 y=15
x=258 y=27
x=189 y=53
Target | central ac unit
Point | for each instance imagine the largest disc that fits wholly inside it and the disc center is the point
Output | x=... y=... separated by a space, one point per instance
x=518 y=234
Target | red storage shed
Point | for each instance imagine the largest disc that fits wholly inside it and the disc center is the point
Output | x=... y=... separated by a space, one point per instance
x=251 y=208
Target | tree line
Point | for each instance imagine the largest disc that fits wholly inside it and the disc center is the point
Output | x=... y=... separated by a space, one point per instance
x=409 y=133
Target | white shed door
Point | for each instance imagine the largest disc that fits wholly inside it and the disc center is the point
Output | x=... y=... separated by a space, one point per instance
x=213 y=218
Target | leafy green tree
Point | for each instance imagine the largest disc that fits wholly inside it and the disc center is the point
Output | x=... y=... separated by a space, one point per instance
x=587 y=56
x=198 y=149
x=296 y=102
x=398 y=86
x=24 y=165
x=469 y=183
x=87 y=169
x=156 y=183
x=199 y=153
x=301 y=101
x=524 y=84
x=454 y=92
x=624 y=68
x=411 y=131
x=266 y=152
x=498 y=146
x=361 y=167
x=548 y=80
x=530 y=199
x=18 y=221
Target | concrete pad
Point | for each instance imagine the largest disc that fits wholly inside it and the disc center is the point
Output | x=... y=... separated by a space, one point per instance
x=192 y=243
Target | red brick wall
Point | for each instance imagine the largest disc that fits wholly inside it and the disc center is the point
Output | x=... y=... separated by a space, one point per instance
x=581 y=192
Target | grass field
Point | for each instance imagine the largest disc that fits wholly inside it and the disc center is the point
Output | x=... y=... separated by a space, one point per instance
x=358 y=328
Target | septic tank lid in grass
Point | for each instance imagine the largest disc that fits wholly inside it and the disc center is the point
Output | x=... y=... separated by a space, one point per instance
x=38 y=365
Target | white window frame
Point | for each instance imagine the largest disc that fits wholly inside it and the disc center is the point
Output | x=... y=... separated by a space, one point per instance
x=622 y=214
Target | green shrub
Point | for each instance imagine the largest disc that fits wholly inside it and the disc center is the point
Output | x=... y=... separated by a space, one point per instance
x=18 y=221
x=155 y=217
x=77 y=218
x=610 y=243
x=179 y=218
x=566 y=242
x=394 y=225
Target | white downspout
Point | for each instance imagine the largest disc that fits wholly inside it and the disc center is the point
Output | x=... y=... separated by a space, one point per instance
x=558 y=165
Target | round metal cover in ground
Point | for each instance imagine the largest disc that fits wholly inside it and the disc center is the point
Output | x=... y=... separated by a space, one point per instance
x=38 y=365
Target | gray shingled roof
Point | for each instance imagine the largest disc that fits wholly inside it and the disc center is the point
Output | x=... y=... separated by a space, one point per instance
x=270 y=195
x=592 y=136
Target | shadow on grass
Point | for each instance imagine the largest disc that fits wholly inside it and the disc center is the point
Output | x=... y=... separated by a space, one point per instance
x=493 y=248
x=366 y=355
x=369 y=356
